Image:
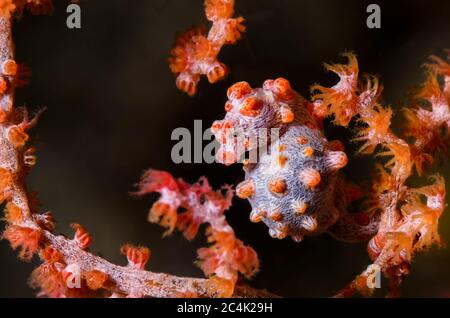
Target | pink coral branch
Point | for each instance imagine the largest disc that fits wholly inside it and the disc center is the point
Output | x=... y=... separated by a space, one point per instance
x=195 y=53
x=228 y=256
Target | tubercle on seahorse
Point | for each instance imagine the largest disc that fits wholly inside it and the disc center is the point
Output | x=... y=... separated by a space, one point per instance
x=292 y=185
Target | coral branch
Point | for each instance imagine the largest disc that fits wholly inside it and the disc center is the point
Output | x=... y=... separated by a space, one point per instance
x=228 y=256
x=131 y=281
x=430 y=129
x=407 y=225
x=195 y=52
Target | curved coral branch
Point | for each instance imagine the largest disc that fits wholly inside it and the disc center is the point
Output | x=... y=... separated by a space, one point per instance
x=130 y=281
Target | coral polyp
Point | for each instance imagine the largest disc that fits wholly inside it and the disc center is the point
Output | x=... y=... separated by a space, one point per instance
x=195 y=52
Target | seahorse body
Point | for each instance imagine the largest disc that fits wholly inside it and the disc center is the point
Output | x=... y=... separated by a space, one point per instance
x=291 y=186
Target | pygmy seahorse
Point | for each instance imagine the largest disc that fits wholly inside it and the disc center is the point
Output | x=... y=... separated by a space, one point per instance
x=294 y=185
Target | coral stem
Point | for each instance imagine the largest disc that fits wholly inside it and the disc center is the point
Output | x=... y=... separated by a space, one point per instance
x=6 y=53
x=128 y=280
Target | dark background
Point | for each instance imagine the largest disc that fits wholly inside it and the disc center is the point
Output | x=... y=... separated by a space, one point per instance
x=112 y=105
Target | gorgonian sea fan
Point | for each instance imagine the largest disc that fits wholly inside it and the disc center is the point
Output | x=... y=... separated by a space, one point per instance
x=296 y=187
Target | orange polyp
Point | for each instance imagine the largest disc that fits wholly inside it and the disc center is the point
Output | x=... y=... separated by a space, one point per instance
x=29 y=157
x=50 y=254
x=216 y=126
x=9 y=68
x=282 y=89
x=215 y=9
x=278 y=234
x=3 y=116
x=5 y=179
x=302 y=140
x=95 y=279
x=188 y=87
x=256 y=217
x=337 y=159
x=245 y=189
x=282 y=147
x=82 y=237
x=276 y=216
x=283 y=231
x=217 y=73
x=238 y=90
x=13 y=213
x=137 y=256
x=228 y=106
x=220 y=287
x=309 y=224
x=277 y=186
x=163 y=214
x=287 y=115
x=3 y=85
x=282 y=160
x=308 y=152
x=310 y=177
x=227 y=125
x=26 y=238
x=300 y=207
x=247 y=143
x=226 y=157
x=251 y=107
x=7 y=8
x=17 y=136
